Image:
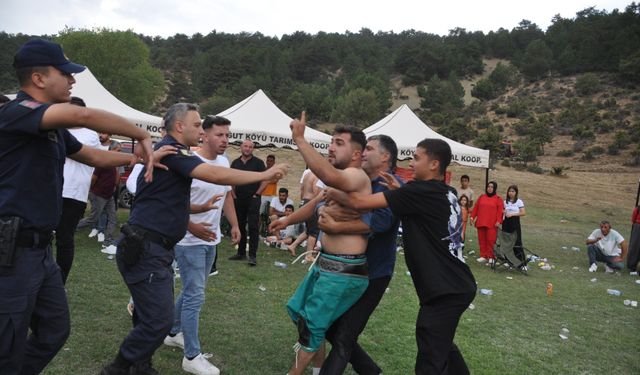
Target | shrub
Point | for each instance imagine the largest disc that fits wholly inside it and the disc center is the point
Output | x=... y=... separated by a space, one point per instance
x=483 y=123
x=505 y=163
x=596 y=150
x=535 y=168
x=565 y=153
x=613 y=149
x=587 y=84
x=580 y=145
x=500 y=110
x=588 y=156
x=559 y=170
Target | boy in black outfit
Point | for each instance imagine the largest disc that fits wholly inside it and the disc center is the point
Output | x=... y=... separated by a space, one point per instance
x=432 y=226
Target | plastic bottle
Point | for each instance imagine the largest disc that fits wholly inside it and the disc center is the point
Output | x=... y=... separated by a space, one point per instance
x=614 y=292
x=549 y=289
x=280 y=264
x=564 y=333
x=262 y=288
x=486 y=292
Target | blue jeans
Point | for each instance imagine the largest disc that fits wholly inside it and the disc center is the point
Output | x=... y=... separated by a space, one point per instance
x=195 y=263
x=595 y=254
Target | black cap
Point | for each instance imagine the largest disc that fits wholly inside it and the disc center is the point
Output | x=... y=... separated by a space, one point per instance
x=39 y=52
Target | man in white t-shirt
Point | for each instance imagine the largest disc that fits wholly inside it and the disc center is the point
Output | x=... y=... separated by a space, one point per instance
x=608 y=246
x=278 y=204
x=196 y=252
x=75 y=192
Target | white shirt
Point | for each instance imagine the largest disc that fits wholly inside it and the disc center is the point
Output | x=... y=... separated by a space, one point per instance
x=275 y=203
x=201 y=192
x=513 y=207
x=132 y=180
x=610 y=245
x=77 y=176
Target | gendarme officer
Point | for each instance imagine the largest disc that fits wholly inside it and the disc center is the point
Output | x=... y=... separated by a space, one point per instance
x=159 y=219
x=33 y=147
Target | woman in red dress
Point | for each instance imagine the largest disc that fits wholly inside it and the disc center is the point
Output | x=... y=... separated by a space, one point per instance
x=487 y=217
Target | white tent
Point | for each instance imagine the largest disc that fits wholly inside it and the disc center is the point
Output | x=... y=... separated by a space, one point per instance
x=256 y=118
x=95 y=95
x=406 y=129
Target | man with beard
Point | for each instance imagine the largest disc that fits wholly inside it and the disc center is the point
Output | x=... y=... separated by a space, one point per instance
x=339 y=277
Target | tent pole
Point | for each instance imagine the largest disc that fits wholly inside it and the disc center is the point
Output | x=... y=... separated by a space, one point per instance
x=486 y=177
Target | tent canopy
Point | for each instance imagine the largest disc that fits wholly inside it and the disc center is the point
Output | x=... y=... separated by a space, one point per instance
x=406 y=129
x=256 y=118
x=95 y=95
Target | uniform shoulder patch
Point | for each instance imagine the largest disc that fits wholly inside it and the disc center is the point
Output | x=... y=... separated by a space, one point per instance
x=30 y=104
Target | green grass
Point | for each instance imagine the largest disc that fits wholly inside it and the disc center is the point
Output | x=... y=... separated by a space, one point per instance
x=515 y=331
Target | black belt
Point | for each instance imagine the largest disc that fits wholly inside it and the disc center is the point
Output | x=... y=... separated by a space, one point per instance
x=330 y=265
x=39 y=239
x=154 y=237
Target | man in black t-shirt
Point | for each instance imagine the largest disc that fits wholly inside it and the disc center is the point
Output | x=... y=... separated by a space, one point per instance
x=432 y=225
x=247 y=203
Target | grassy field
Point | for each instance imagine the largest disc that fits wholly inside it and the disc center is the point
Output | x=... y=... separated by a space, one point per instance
x=514 y=331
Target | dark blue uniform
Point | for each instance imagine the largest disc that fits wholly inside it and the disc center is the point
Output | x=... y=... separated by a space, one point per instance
x=160 y=212
x=31 y=291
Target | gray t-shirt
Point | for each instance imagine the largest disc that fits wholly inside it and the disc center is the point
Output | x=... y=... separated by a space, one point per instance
x=468 y=192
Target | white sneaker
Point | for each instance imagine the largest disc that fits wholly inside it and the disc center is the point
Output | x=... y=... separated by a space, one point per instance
x=93 y=233
x=492 y=261
x=481 y=260
x=608 y=269
x=175 y=341
x=593 y=267
x=110 y=250
x=100 y=237
x=199 y=366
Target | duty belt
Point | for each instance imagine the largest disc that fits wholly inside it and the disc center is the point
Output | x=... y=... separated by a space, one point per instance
x=330 y=265
x=39 y=239
x=154 y=237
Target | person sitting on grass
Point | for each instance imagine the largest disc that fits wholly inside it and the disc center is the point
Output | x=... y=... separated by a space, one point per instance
x=291 y=233
x=608 y=246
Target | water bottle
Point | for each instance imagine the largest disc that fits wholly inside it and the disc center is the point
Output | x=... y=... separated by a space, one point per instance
x=262 y=288
x=614 y=292
x=564 y=333
x=486 y=292
x=280 y=264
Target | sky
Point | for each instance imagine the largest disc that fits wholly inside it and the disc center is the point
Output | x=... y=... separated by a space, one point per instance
x=277 y=17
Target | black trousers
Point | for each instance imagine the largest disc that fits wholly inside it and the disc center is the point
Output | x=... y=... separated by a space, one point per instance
x=343 y=334
x=435 y=329
x=72 y=211
x=34 y=315
x=248 y=211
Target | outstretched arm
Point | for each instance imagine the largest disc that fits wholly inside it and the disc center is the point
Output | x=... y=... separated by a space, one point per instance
x=229 y=176
x=319 y=165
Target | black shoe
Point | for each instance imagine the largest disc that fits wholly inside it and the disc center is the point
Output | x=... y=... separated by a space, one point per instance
x=214 y=272
x=143 y=368
x=110 y=369
x=238 y=257
x=252 y=262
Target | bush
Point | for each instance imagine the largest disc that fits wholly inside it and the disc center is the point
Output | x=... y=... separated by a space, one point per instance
x=580 y=145
x=505 y=163
x=613 y=149
x=559 y=170
x=483 y=123
x=519 y=166
x=565 y=153
x=596 y=150
x=587 y=84
x=588 y=156
x=500 y=110
x=535 y=168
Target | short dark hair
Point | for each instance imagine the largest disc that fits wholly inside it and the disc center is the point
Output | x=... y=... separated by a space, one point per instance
x=357 y=135
x=77 y=101
x=4 y=99
x=24 y=74
x=388 y=145
x=271 y=156
x=177 y=111
x=464 y=176
x=439 y=150
x=290 y=206
x=211 y=120
x=283 y=190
